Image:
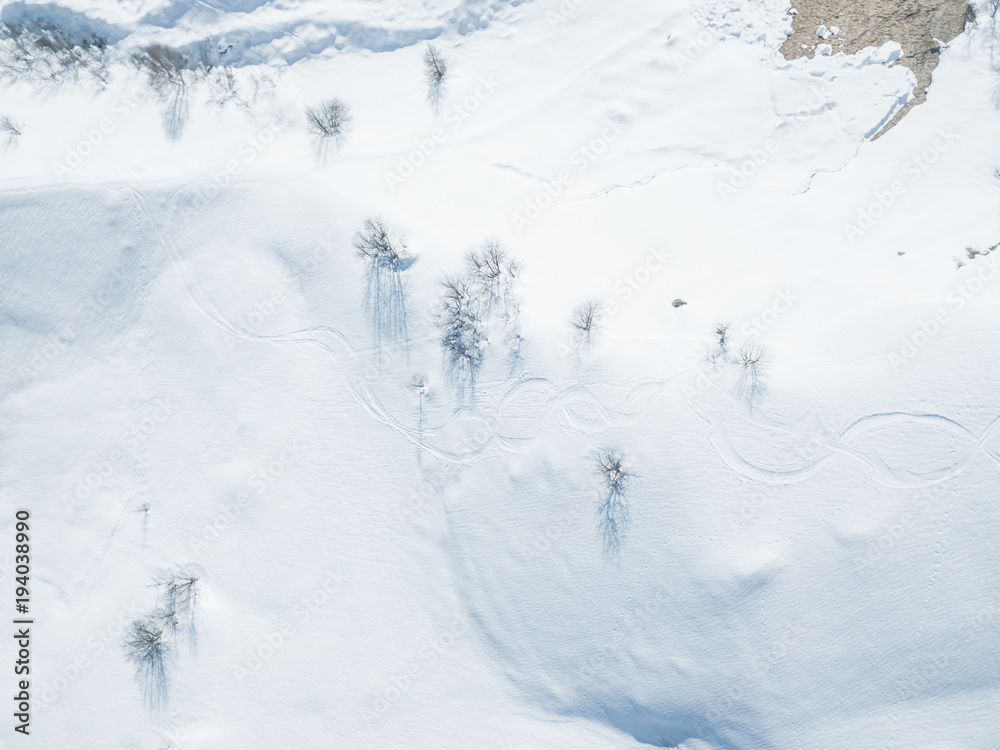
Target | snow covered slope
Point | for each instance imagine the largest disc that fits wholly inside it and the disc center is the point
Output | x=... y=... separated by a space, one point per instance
x=191 y=387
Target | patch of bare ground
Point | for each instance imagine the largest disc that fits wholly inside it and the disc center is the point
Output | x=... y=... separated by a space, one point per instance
x=918 y=26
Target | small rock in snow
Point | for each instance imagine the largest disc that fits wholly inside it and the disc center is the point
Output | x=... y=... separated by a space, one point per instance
x=678 y=302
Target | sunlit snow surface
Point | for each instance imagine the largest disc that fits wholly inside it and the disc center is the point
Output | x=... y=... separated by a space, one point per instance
x=189 y=379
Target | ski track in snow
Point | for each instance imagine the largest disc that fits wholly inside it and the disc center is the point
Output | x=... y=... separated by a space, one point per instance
x=584 y=411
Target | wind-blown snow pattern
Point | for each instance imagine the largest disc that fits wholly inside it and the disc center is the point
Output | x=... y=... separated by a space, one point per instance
x=191 y=394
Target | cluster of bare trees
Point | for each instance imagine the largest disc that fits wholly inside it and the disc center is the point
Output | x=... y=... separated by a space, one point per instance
x=748 y=360
x=48 y=55
x=151 y=642
x=474 y=303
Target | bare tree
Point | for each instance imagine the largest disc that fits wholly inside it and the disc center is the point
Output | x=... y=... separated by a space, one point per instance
x=475 y=304
x=226 y=87
x=435 y=71
x=463 y=332
x=494 y=273
x=11 y=130
x=46 y=54
x=146 y=647
x=720 y=353
x=169 y=73
x=751 y=360
x=585 y=322
x=386 y=257
x=329 y=122
x=613 y=514
x=178 y=597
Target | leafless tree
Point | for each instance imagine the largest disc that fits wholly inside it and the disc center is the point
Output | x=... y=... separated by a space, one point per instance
x=613 y=513
x=751 y=361
x=146 y=647
x=720 y=352
x=169 y=73
x=386 y=259
x=329 y=122
x=463 y=332
x=48 y=55
x=585 y=322
x=436 y=72
x=178 y=597
x=10 y=131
